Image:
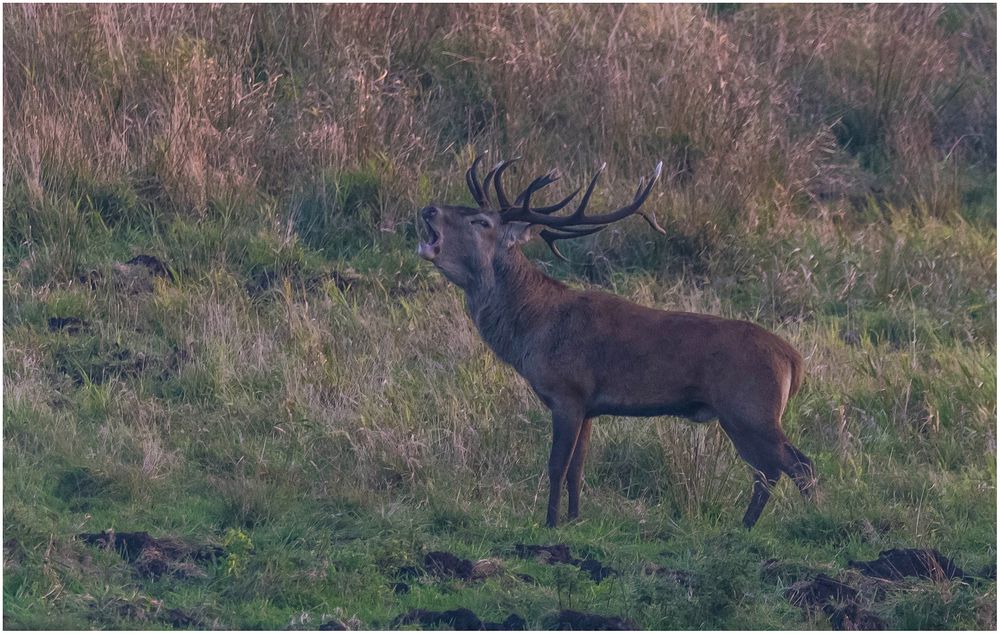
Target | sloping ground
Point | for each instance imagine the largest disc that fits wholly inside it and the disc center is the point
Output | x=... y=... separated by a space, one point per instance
x=235 y=398
x=337 y=449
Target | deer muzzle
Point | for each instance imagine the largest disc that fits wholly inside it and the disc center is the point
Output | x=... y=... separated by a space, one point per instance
x=430 y=248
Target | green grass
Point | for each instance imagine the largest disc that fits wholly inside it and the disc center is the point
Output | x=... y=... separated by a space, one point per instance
x=307 y=394
x=346 y=431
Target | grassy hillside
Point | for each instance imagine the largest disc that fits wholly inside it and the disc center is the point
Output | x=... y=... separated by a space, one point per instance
x=298 y=408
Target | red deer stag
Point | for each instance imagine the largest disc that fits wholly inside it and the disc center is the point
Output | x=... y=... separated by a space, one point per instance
x=588 y=353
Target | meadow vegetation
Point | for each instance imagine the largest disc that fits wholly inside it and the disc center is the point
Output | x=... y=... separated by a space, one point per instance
x=301 y=392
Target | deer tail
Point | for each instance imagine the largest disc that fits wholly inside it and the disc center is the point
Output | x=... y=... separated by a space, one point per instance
x=795 y=361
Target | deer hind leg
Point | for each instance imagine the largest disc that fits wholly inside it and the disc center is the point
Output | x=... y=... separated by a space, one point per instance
x=565 y=431
x=800 y=469
x=763 y=447
x=574 y=478
x=761 y=493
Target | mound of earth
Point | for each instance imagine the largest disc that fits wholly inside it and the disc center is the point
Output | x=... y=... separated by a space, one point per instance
x=838 y=600
x=445 y=565
x=560 y=554
x=460 y=619
x=132 y=277
x=573 y=620
x=897 y=563
x=152 y=557
x=146 y=610
x=72 y=325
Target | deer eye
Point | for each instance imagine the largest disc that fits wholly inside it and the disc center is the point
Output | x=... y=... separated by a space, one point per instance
x=481 y=223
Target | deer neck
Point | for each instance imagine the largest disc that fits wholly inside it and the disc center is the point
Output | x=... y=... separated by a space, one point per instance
x=510 y=304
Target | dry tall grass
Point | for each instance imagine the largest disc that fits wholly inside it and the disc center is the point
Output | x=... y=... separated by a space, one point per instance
x=758 y=110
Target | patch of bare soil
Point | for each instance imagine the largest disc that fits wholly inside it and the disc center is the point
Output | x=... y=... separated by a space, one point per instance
x=897 y=563
x=819 y=590
x=153 y=264
x=682 y=578
x=152 y=557
x=460 y=619
x=573 y=620
x=333 y=626
x=560 y=554
x=400 y=587
x=266 y=280
x=847 y=600
x=71 y=325
x=838 y=600
x=445 y=565
x=13 y=555
x=989 y=572
x=132 y=277
x=147 y=610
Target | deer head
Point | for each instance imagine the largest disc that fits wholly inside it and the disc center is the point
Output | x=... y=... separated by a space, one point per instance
x=465 y=242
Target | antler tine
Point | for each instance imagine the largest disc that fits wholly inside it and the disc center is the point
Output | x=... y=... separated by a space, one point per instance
x=640 y=197
x=550 y=237
x=645 y=216
x=523 y=199
x=559 y=205
x=522 y=210
x=473 y=182
x=486 y=183
x=578 y=212
x=579 y=219
x=498 y=172
x=652 y=222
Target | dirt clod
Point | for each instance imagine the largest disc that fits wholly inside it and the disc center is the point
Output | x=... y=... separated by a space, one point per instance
x=332 y=626
x=554 y=554
x=597 y=572
x=573 y=620
x=853 y=617
x=511 y=623
x=560 y=554
x=152 y=557
x=897 y=563
x=267 y=279
x=145 y=609
x=133 y=277
x=839 y=601
x=345 y=279
x=445 y=564
x=12 y=555
x=460 y=619
x=181 y=619
x=153 y=264
x=400 y=588
x=71 y=325
x=819 y=591
x=485 y=568
x=680 y=577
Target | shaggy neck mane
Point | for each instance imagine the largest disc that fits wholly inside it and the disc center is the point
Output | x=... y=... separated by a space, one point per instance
x=510 y=302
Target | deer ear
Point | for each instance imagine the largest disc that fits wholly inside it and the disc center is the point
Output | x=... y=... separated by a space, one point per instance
x=517 y=233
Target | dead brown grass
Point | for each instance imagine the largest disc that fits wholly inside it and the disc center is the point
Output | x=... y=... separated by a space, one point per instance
x=760 y=113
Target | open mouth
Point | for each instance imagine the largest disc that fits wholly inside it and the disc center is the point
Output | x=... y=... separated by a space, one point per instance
x=429 y=249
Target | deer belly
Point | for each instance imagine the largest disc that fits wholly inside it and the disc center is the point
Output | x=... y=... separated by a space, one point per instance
x=693 y=411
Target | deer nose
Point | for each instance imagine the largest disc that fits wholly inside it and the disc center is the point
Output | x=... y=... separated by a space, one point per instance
x=429 y=212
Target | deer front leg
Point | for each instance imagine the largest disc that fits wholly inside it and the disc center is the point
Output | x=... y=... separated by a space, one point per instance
x=574 y=479
x=565 y=430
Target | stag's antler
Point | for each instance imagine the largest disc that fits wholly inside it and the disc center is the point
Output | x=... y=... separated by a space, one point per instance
x=575 y=225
